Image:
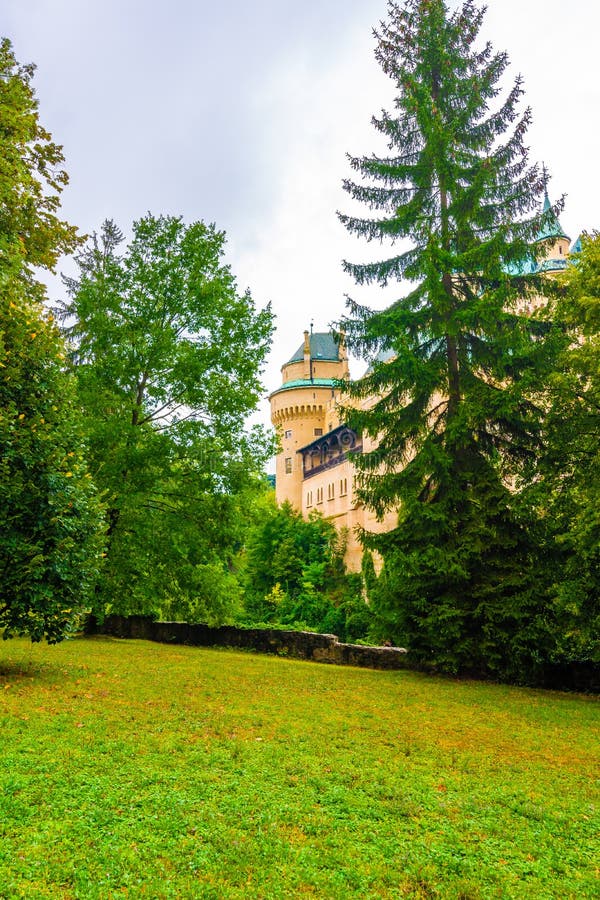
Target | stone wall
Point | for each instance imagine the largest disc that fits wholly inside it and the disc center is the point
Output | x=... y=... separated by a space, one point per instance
x=296 y=644
x=581 y=676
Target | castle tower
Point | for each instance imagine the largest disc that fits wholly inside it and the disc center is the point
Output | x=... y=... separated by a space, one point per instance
x=303 y=407
x=556 y=240
x=556 y=246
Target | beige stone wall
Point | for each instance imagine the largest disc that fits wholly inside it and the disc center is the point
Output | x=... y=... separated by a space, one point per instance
x=331 y=493
x=321 y=368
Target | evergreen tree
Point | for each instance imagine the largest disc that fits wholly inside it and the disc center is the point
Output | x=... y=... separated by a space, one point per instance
x=50 y=523
x=458 y=419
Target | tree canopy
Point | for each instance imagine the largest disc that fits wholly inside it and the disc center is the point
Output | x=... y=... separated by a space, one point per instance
x=568 y=489
x=292 y=573
x=167 y=357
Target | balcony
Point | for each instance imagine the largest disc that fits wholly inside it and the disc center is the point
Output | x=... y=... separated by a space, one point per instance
x=330 y=450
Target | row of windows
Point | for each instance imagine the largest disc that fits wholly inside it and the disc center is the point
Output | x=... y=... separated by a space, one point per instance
x=343 y=491
x=287 y=434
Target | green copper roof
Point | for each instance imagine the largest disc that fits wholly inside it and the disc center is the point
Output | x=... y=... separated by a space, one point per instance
x=322 y=346
x=530 y=267
x=551 y=229
x=306 y=383
x=576 y=248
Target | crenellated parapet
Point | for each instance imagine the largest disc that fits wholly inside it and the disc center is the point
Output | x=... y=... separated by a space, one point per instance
x=286 y=413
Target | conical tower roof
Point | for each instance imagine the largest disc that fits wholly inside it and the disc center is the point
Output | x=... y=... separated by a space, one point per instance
x=551 y=228
x=323 y=345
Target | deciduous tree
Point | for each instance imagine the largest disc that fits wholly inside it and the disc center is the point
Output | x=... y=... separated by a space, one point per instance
x=168 y=355
x=31 y=180
x=293 y=574
x=50 y=524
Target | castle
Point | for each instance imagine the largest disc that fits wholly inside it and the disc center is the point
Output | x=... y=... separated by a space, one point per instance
x=313 y=468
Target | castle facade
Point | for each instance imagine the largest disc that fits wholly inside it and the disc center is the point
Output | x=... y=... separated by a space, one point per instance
x=313 y=468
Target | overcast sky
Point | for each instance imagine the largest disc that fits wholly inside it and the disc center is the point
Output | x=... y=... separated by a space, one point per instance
x=241 y=113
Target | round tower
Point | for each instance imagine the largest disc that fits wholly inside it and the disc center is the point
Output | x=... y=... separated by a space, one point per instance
x=300 y=407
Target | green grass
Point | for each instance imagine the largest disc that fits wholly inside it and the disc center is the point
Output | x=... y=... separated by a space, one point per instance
x=132 y=769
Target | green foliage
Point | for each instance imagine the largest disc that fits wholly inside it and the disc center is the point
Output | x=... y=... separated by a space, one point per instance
x=50 y=523
x=469 y=597
x=293 y=574
x=212 y=595
x=459 y=416
x=167 y=356
x=199 y=773
x=568 y=492
x=30 y=181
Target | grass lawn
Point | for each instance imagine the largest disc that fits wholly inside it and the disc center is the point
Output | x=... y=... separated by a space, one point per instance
x=132 y=769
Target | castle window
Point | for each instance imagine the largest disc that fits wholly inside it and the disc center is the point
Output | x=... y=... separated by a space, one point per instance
x=343 y=487
x=309 y=499
x=318 y=432
x=330 y=491
x=319 y=495
x=288 y=465
x=288 y=434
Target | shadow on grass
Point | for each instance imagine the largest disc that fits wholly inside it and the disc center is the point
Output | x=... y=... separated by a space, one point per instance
x=18 y=662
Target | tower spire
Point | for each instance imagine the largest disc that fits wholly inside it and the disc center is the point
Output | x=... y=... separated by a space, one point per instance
x=546 y=179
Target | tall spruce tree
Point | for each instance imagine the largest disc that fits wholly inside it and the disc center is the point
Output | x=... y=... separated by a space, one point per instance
x=457 y=422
